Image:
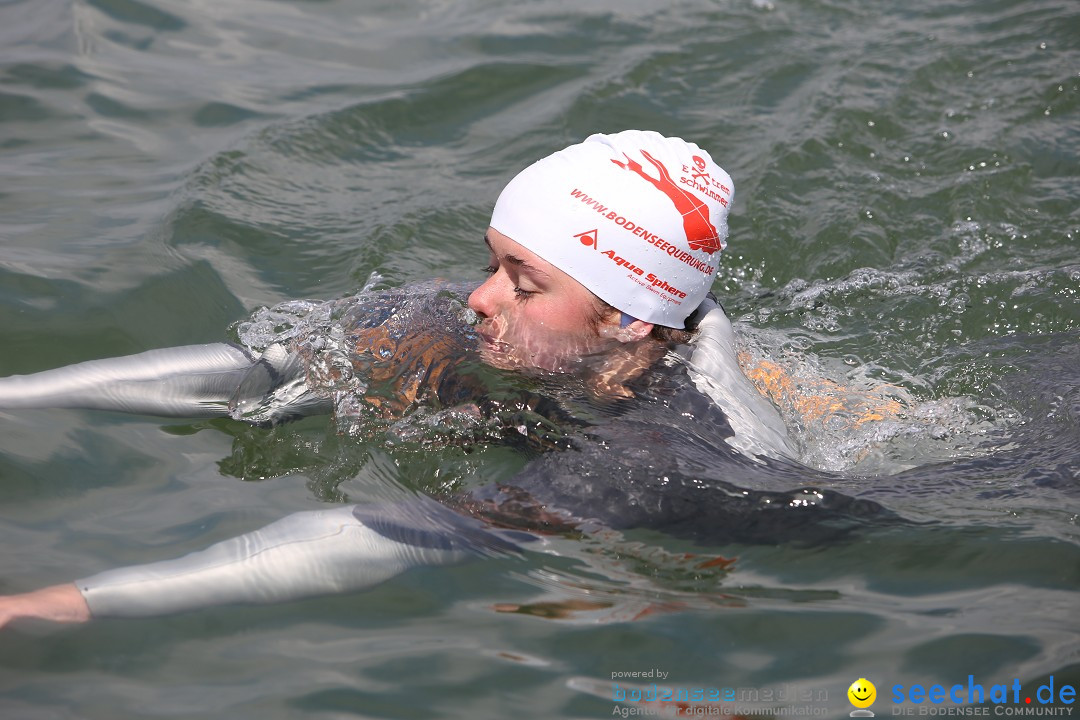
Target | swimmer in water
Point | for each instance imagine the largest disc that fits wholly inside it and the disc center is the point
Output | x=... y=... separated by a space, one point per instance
x=603 y=251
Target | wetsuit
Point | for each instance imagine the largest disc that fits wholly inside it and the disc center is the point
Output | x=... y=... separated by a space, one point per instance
x=680 y=462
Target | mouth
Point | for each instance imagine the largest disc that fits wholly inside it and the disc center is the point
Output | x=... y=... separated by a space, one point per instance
x=492 y=346
x=489 y=341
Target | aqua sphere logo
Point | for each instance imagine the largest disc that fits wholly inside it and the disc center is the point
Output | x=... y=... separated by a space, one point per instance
x=973 y=698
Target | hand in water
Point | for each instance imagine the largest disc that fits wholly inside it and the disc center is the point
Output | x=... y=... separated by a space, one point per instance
x=59 y=603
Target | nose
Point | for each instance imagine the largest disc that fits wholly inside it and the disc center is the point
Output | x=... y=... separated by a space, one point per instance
x=482 y=300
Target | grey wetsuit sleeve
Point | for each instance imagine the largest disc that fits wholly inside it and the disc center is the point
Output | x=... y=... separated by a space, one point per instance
x=310 y=553
x=188 y=381
x=191 y=381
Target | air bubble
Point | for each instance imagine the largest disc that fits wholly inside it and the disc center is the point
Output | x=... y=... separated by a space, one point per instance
x=959 y=303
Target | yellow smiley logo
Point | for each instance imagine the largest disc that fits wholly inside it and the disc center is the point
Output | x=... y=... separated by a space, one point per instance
x=862 y=693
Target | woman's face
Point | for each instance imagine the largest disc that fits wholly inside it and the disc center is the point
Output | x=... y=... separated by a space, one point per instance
x=533 y=314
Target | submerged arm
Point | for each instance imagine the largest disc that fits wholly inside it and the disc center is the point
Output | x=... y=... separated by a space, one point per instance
x=310 y=553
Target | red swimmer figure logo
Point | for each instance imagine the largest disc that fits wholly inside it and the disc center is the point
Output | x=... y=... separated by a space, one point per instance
x=700 y=232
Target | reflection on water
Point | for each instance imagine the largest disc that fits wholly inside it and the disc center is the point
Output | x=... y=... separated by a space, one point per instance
x=905 y=226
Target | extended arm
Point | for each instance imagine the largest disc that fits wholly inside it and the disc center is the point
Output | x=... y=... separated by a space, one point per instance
x=311 y=553
x=192 y=381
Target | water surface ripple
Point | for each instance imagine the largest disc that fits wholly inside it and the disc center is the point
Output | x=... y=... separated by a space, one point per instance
x=906 y=214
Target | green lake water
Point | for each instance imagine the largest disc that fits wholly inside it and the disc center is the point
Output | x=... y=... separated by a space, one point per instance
x=907 y=212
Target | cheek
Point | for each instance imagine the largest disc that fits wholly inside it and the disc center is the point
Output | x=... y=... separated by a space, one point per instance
x=570 y=321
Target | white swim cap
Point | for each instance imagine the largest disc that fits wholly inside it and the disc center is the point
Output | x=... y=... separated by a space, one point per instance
x=635 y=217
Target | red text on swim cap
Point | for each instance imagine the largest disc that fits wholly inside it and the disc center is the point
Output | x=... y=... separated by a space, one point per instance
x=634 y=228
x=589 y=238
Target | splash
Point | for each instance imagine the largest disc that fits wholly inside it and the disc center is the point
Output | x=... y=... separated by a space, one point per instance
x=378 y=354
x=849 y=416
x=404 y=365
